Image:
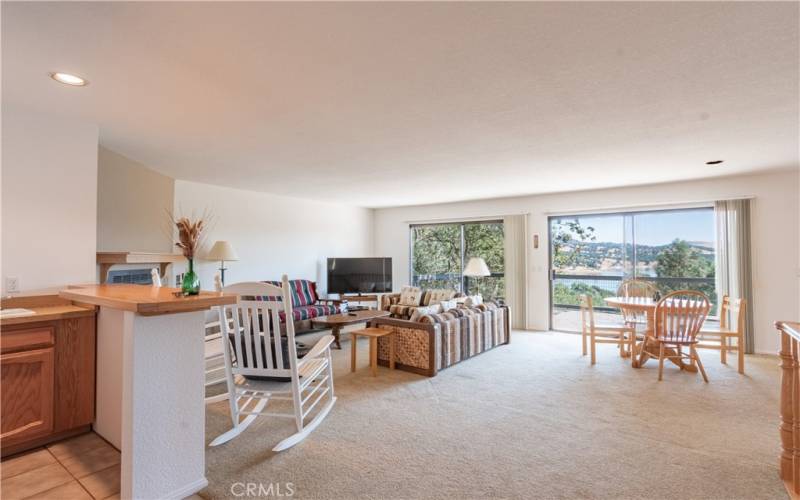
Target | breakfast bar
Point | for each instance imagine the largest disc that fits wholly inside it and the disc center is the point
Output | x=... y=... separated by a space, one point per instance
x=150 y=380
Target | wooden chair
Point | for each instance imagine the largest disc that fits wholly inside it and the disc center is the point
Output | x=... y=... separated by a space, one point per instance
x=678 y=318
x=602 y=333
x=636 y=288
x=731 y=326
x=257 y=349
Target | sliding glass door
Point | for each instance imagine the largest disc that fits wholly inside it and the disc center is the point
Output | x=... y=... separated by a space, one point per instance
x=593 y=254
x=440 y=252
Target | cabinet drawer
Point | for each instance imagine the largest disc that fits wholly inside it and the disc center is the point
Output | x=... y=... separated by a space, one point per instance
x=22 y=340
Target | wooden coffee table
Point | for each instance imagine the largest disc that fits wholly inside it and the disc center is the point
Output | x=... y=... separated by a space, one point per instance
x=336 y=321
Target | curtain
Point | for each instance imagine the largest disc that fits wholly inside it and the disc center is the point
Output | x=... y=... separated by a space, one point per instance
x=734 y=263
x=515 y=230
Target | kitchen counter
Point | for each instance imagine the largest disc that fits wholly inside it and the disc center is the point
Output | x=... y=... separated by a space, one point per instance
x=48 y=380
x=144 y=299
x=150 y=402
x=48 y=313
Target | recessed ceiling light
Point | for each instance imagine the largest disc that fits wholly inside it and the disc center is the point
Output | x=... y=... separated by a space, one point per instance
x=714 y=162
x=69 y=79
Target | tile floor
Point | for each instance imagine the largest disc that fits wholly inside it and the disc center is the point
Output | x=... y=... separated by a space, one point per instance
x=83 y=467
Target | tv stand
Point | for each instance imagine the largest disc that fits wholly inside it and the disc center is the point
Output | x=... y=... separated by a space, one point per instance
x=359 y=297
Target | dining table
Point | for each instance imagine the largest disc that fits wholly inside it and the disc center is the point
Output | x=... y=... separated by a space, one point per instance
x=646 y=306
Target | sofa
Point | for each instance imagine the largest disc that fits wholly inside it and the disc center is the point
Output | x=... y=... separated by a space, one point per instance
x=391 y=301
x=306 y=304
x=437 y=341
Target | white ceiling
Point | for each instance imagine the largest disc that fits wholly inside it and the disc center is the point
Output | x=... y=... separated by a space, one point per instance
x=382 y=104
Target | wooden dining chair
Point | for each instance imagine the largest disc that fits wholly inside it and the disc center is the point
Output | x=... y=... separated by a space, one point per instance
x=256 y=351
x=678 y=318
x=636 y=288
x=731 y=326
x=603 y=333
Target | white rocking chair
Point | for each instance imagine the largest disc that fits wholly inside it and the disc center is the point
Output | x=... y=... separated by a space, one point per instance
x=259 y=352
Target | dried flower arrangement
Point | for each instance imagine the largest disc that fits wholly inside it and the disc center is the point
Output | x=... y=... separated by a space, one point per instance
x=190 y=233
x=190 y=239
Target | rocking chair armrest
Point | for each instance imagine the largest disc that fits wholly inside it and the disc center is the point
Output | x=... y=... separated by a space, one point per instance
x=322 y=344
x=334 y=302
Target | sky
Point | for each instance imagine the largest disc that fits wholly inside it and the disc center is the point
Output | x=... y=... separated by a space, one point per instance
x=655 y=228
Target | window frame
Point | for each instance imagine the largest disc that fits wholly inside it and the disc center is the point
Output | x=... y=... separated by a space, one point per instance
x=612 y=213
x=461 y=223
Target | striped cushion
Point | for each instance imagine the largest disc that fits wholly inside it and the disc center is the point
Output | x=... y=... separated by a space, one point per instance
x=400 y=311
x=304 y=292
x=307 y=312
x=437 y=295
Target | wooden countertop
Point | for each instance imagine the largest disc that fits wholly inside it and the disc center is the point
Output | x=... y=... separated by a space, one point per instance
x=146 y=300
x=48 y=307
x=48 y=313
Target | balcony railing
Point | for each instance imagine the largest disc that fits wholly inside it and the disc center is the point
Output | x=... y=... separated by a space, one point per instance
x=606 y=286
x=567 y=288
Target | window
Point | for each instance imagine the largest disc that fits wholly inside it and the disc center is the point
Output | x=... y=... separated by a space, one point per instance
x=592 y=254
x=439 y=253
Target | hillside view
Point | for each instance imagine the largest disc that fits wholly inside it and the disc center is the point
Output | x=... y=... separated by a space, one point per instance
x=583 y=265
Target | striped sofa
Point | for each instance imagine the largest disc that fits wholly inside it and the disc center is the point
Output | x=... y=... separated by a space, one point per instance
x=438 y=341
x=306 y=304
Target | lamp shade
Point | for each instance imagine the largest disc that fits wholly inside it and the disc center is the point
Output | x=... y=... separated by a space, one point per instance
x=222 y=250
x=477 y=267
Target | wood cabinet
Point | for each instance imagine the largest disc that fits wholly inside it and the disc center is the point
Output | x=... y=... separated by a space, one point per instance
x=27 y=397
x=47 y=380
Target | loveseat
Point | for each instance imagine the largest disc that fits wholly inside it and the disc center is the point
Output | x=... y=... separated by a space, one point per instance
x=306 y=304
x=437 y=341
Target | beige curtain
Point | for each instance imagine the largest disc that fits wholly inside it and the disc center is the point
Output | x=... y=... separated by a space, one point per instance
x=734 y=265
x=515 y=228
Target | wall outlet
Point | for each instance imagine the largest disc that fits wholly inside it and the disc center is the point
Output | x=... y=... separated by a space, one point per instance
x=12 y=285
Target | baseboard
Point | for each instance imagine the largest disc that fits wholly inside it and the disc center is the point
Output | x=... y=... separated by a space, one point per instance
x=189 y=489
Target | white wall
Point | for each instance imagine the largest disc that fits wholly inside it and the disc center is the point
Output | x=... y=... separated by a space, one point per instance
x=273 y=234
x=133 y=203
x=775 y=232
x=49 y=205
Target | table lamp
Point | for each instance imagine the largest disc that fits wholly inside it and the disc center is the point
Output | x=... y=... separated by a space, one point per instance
x=476 y=267
x=222 y=251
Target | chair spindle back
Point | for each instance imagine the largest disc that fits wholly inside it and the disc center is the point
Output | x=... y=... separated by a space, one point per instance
x=254 y=330
x=587 y=313
x=680 y=315
x=635 y=289
x=732 y=310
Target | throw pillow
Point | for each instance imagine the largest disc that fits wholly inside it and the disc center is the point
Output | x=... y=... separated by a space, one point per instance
x=438 y=295
x=423 y=311
x=410 y=296
x=449 y=304
x=473 y=300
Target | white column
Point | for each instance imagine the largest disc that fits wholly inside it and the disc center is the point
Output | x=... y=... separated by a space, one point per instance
x=163 y=409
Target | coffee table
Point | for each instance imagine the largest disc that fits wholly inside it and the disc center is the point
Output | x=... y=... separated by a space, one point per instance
x=336 y=321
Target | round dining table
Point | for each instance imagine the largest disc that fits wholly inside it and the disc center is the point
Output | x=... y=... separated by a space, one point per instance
x=638 y=306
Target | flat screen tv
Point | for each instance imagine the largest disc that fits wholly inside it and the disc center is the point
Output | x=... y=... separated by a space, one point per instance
x=360 y=275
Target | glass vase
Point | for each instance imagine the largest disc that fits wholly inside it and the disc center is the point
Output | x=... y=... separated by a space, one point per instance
x=191 y=281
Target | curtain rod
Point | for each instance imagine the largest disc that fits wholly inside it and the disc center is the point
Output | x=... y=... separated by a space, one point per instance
x=462 y=219
x=645 y=206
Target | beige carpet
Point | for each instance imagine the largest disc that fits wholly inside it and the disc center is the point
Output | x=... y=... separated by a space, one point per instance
x=527 y=420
